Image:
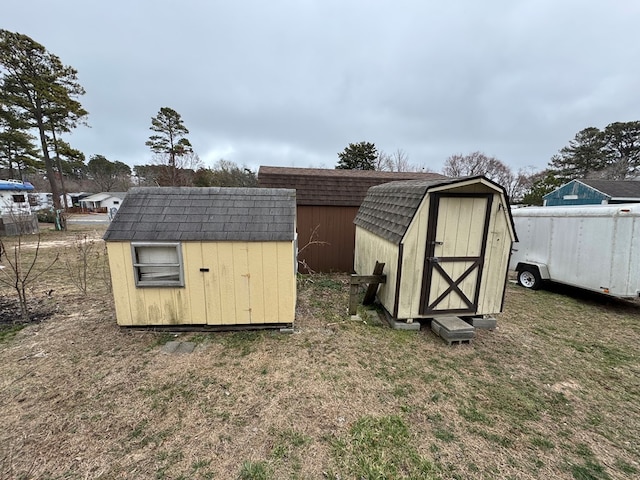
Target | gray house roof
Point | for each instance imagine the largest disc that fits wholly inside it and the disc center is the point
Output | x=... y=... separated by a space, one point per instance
x=388 y=209
x=205 y=214
x=622 y=189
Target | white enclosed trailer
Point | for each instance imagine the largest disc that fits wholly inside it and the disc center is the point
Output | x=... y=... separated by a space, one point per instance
x=594 y=247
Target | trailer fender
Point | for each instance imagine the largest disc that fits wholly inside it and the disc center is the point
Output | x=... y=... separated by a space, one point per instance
x=529 y=275
x=543 y=271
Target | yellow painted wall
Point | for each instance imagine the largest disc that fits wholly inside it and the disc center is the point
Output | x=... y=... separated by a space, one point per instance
x=371 y=248
x=247 y=283
x=414 y=247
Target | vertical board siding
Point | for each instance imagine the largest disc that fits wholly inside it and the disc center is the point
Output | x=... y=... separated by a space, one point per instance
x=211 y=291
x=271 y=287
x=460 y=228
x=258 y=310
x=371 y=248
x=286 y=282
x=121 y=280
x=242 y=290
x=494 y=274
x=335 y=227
x=414 y=247
x=247 y=283
x=463 y=227
x=195 y=278
x=225 y=285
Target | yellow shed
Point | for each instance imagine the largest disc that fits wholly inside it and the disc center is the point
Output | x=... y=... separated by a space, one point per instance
x=204 y=256
x=445 y=245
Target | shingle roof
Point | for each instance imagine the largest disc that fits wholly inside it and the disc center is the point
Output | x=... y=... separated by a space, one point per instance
x=332 y=187
x=615 y=188
x=388 y=209
x=205 y=214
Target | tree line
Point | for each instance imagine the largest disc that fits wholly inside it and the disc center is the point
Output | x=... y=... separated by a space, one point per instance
x=40 y=104
x=612 y=153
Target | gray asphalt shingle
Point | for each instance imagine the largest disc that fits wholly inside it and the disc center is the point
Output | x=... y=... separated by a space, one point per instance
x=388 y=209
x=205 y=214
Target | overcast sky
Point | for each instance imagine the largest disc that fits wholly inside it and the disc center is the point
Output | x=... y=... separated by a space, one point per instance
x=293 y=82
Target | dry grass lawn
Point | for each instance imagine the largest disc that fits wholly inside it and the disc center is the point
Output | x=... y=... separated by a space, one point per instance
x=554 y=392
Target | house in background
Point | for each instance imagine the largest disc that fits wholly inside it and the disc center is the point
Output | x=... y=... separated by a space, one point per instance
x=103 y=201
x=44 y=200
x=14 y=197
x=445 y=245
x=594 y=192
x=327 y=203
x=204 y=256
x=16 y=216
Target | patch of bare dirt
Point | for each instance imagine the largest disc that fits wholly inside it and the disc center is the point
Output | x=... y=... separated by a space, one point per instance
x=39 y=309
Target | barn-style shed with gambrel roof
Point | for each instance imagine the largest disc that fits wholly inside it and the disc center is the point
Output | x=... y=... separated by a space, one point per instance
x=204 y=256
x=445 y=245
x=327 y=203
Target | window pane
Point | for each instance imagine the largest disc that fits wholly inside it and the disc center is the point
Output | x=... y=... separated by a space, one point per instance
x=157 y=265
x=157 y=254
x=159 y=274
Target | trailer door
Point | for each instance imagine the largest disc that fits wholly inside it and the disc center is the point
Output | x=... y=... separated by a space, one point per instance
x=456 y=244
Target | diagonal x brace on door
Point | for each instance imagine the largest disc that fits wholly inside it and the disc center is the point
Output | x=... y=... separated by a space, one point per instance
x=453 y=285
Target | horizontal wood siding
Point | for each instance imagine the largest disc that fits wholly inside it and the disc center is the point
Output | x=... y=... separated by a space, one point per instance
x=585 y=194
x=246 y=283
x=333 y=225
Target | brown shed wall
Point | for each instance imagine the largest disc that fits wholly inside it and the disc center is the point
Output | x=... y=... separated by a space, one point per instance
x=333 y=225
x=329 y=199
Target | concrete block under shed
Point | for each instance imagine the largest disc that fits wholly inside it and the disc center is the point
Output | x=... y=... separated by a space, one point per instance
x=485 y=323
x=452 y=329
x=400 y=324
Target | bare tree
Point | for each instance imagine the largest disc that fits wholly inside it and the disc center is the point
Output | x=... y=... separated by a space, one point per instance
x=477 y=163
x=313 y=240
x=398 y=161
x=518 y=184
x=85 y=261
x=178 y=172
x=21 y=271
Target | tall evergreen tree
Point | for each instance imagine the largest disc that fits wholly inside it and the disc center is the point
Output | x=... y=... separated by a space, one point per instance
x=170 y=140
x=38 y=84
x=107 y=174
x=583 y=156
x=17 y=146
x=358 y=156
x=622 y=149
x=612 y=153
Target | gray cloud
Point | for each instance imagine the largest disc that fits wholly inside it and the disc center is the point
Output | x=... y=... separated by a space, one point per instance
x=293 y=82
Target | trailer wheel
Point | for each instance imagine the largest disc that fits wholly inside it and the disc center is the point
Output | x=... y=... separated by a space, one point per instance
x=529 y=277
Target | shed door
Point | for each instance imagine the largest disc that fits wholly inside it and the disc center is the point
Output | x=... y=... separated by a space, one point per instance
x=456 y=243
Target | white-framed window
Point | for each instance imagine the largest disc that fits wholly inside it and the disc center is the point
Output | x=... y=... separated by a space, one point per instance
x=157 y=264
